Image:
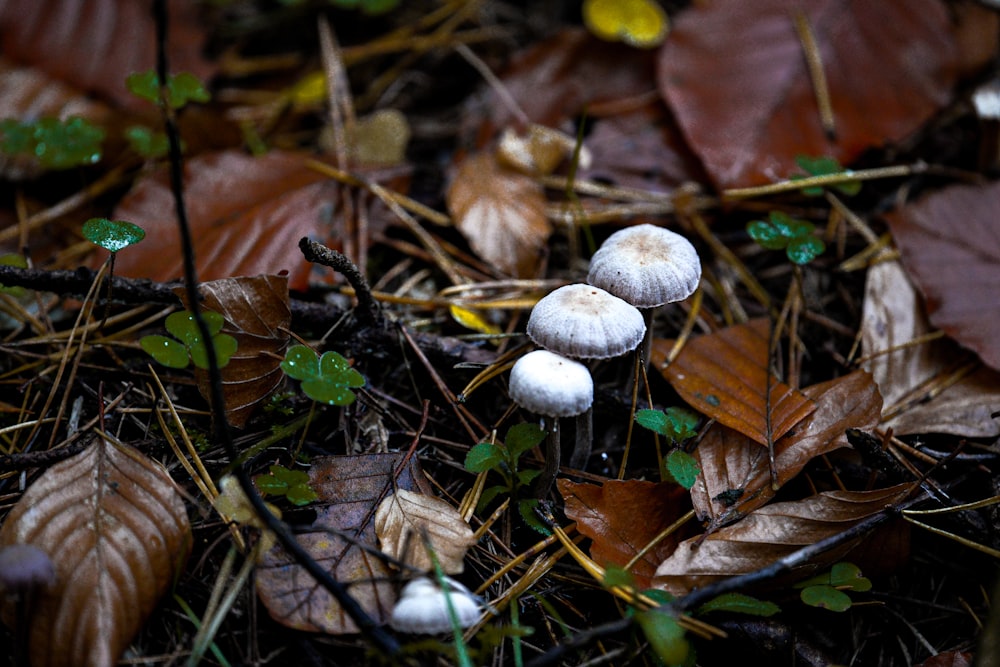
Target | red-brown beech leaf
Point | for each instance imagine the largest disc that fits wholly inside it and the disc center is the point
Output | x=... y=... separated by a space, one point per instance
x=950 y=244
x=725 y=375
x=349 y=489
x=623 y=517
x=115 y=527
x=258 y=317
x=770 y=533
x=247 y=215
x=501 y=213
x=892 y=318
x=736 y=77
x=735 y=474
x=94 y=45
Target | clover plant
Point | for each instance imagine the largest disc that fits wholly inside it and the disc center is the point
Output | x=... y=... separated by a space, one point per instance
x=112 y=235
x=677 y=425
x=327 y=379
x=182 y=88
x=824 y=166
x=781 y=232
x=146 y=142
x=188 y=346
x=55 y=143
x=828 y=590
x=292 y=484
x=503 y=458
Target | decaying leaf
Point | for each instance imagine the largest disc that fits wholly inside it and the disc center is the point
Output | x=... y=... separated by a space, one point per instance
x=404 y=518
x=258 y=316
x=735 y=74
x=725 y=375
x=623 y=517
x=736 y=472
x=502 y=214
x=116 y=528
x=771 y=532
x=920 y=383
x=950 y=244
x=349 y=489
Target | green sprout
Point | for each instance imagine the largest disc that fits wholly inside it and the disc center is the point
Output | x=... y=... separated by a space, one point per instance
x=327 y=379
x=677 y=425
x=503 y=458
x=146 y=142
x=189 y=346
x=181 y=88
x=827 y=590
x=55 y=143
x=824 y=166
x=292 y=484
x=781 y=232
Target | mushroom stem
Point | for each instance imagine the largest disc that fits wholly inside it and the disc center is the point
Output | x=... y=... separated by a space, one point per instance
x=645 y=348
x=584 y=439
x=543 y=483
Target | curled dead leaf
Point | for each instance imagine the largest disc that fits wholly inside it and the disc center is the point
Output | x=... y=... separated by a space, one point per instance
x=404 y=518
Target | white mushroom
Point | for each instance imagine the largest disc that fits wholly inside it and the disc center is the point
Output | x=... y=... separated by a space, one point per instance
x=553 y=386
x=423 y=607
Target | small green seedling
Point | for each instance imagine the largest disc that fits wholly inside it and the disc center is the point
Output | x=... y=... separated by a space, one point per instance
x=112 y=235
x=828 y=590
x=824 y=166
x=189 y=346
x=146 y=142
x=55 y=143
x=327 y=379
x=781 y=232
x=503 y=458
x=181 y=88
x=740 y=604
x=292 y=484
x=677 y=425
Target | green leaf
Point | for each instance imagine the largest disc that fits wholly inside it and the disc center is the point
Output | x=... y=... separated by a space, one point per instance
x=112 y=235
x=289 y=477
x=526 y=508
x=225 y=347
x=526 y=477
x=825 y=166
x=301 y=494
x=677 y=424
x=766 y=235
x=166 y=351
x=615 y=575
x=484 y=456
x=523 y=437
x=683 y=468
x=488 y=495
x=333 y=367
x=826 y=597
x=740 y=604
x=664 y=635
x=146 y=142
x=55 y=143
x=271 y=485
x=301 y=363
x=181 y=88
x=848 y=575
x=805 y=250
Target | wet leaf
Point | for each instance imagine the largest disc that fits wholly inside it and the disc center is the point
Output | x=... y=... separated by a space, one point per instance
x=622 y=517
x=683 y=468
x=166 y=351
x=725 y=375
x=770 y=533
x=327 y=379
x=404 y=518
x=740 y=604
x=826 y=597
x=116 y=529
x=735 y=75
x=736 y=472
x=349 y=489
x=112 y=235
x=257 y=316
x=950 y=244
x=501 y=213
x=893 y=316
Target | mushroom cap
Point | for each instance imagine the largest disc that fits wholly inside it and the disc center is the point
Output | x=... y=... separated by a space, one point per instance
x=647 y=266
x=423 y=607
x=585 y=322
x=24 y=567
x=549 y=384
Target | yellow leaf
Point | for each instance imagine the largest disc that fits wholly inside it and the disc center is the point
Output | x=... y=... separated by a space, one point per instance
x=470 y=319
x=639 y=23
x=310 y=90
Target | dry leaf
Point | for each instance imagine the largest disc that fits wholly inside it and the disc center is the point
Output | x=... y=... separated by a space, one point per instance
x=950 y=244
x=623 y=517
x=116 y=528
x=349 y=488
x=258 y=316
x=892 y=317
x=501 y=213
x=735 y=75
x=403 y=519
x=770 y=533
x=735 y=474
x=725 y=375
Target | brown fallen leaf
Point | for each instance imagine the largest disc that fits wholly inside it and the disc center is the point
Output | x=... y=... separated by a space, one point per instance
x=405 y=517
x=349 y=488
x=258 y=316
x=915 y=379
x=950 y=246
x=501 y=212
x=115 y=526
x=770 y=533
x=735 y=474
x=725 y=375
x=623 y=517
x=736 y=77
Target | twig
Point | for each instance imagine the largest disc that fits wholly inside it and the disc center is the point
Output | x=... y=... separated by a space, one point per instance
x=317 y=253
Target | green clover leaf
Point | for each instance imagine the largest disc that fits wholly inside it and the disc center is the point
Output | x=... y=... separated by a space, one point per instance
x=327 y=379
x=824 y=166
x=55 y=143
x=181 y=88
x=112 y=235
x=182 y=325
x=795 y=237
x=292 y=484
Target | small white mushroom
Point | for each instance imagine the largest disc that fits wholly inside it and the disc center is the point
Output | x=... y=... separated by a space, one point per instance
x=585 y=322
x=422 y=608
